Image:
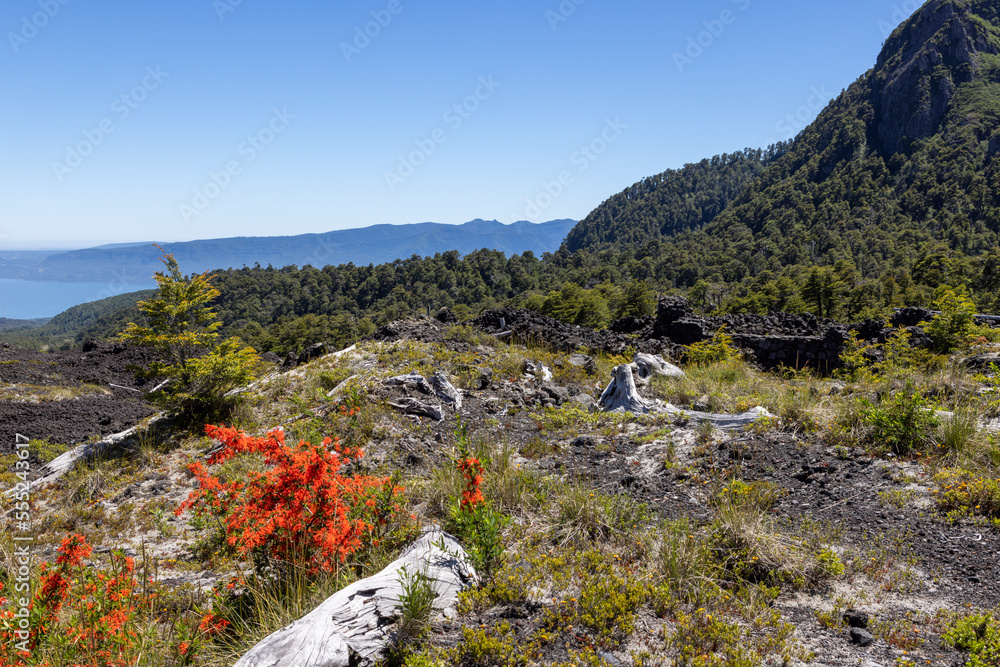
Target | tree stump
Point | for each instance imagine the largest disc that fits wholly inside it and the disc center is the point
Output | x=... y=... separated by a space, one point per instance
x=622 y=395
x=445 y=390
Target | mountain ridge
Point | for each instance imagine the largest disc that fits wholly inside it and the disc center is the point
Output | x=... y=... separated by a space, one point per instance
x=378 y=244
x=896 y=179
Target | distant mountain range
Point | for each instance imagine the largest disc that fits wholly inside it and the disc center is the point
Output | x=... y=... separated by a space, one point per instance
x=135 y=263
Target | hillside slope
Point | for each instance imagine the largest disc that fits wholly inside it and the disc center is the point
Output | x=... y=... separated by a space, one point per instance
x=898 y=172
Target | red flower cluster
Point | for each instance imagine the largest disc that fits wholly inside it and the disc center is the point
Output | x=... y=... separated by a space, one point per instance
x=85 y=615
x=301 y=510
x=472 y=471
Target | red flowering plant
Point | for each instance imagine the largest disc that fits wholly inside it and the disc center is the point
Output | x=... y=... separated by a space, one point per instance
x=81 y=615
x=303 y=510
x=476 y=522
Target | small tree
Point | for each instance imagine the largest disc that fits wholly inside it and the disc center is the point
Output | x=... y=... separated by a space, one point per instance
x=182 y=328
x=957 y=321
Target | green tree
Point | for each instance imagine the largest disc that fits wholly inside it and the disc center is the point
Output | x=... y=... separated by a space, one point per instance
x=637 y=301
x=957 y=321
x=199 y=371
x=823 y=291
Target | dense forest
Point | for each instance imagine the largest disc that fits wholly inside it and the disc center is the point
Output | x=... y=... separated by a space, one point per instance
x=891 y=194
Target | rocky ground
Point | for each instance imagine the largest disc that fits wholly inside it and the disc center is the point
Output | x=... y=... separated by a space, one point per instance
x=68 y=397
x=907 y=567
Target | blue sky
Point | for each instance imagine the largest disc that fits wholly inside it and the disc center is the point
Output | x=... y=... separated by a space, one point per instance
x=137 y=121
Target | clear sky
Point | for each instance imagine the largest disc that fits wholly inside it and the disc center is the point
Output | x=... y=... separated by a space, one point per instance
x=137 y=121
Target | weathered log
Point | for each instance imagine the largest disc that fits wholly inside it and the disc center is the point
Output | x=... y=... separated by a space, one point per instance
x=721 y=421
x=64 y=463
x=445 y=390
x=412 y=406
x=650 y=365
x=409 y=380
x=336 y=391
x=359 y=619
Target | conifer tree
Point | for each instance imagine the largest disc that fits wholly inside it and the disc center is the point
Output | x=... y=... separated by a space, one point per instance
x=199 y=371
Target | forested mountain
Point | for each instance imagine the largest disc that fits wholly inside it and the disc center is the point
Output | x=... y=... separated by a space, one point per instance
x=672 y=202
x=135 y=263
x=897 y=180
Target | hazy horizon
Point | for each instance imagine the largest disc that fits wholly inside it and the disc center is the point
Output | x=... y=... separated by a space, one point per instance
x=214 y=119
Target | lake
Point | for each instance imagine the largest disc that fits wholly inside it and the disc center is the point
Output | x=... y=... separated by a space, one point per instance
x=28 y=299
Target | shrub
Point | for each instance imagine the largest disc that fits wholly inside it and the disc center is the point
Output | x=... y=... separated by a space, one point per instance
x=303 y=510
x=979 y=636
x=956 y=323
x=860 y=362
x=80 y=615
x=606 y=605
x=475 y=520
x=904 y=424
x=714 y=351
x=968 y=494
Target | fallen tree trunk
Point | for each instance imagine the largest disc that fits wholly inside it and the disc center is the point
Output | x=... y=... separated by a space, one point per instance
x=64 y=463
x=358 y=620
x=412 y=406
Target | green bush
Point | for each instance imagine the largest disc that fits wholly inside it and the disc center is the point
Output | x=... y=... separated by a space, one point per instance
x=714 y=351
x=979 y=636
x=956 y=325
x=199 y=372
x=904 y=424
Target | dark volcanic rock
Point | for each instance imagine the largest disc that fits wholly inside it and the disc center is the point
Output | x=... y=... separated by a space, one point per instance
x=526 y=326
x=856 y=619
x=861 y=637
x=446 y=316
x=911 y=317
x=74 y=420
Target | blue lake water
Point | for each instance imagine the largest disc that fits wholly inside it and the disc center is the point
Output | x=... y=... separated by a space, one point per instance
x=28 y=299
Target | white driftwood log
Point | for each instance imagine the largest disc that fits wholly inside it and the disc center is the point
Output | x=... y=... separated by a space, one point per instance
x=359 y=618
x=445 y=390
x=61 y=465
x=622 y=395
x=412 y=406
x=650 y=365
